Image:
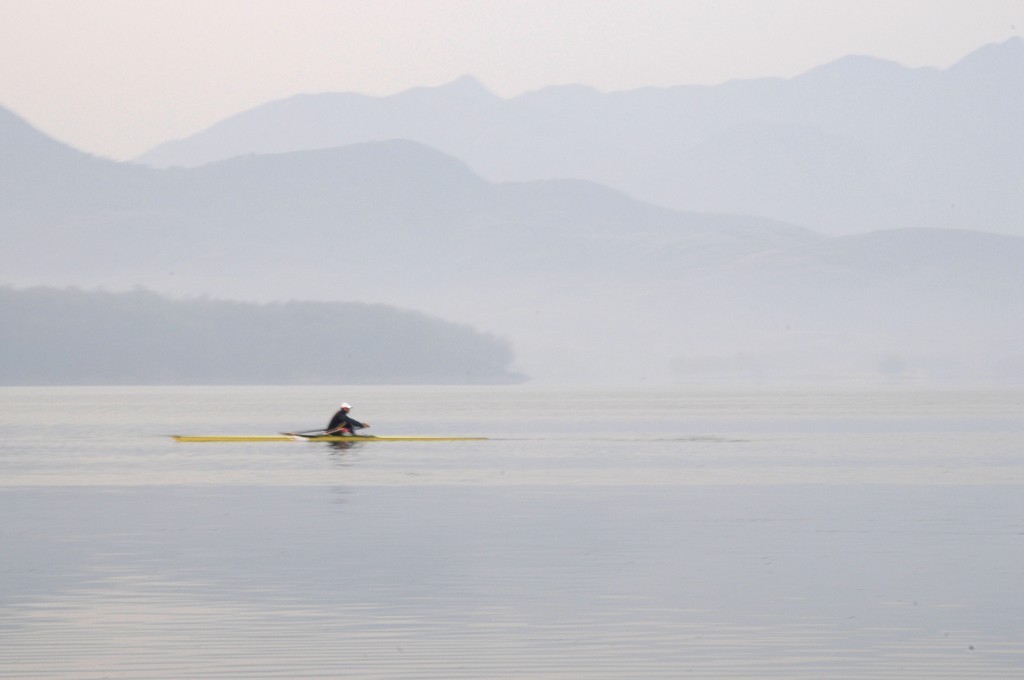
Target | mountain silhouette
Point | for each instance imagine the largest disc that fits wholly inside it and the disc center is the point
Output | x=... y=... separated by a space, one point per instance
x=857 y=145
x=585 y=282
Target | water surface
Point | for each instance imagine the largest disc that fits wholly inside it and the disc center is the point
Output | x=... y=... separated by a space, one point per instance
x=597 y=534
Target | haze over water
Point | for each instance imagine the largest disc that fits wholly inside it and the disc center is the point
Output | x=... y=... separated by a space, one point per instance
x=659 y=193
x=597 y=534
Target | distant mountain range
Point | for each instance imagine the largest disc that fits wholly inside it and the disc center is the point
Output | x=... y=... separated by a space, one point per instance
x=585 y=282
x=854 y=146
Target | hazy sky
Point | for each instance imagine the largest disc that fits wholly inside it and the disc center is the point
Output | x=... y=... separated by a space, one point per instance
x=116 y=77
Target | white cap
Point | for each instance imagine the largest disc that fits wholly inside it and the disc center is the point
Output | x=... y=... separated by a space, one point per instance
x=346 y=405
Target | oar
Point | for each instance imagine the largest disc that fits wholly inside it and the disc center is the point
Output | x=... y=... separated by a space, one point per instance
x=317 y=433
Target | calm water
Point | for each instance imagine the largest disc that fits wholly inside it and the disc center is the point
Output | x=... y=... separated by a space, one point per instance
x=626 y=534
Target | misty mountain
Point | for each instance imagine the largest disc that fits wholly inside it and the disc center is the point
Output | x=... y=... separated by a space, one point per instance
x=857 y=145
x=39 y=174
x=585 y=282
x=367 y=220
x=52 y=336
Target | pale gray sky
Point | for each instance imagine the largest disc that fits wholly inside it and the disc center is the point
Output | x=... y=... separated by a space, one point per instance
x=116 y=77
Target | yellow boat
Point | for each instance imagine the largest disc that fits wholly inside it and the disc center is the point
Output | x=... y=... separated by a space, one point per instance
x=285 y=437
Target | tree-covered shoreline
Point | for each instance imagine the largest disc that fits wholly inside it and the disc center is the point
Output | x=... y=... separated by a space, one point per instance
x=68 y=336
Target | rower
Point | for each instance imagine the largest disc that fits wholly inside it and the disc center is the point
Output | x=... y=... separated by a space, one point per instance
x=344 y=424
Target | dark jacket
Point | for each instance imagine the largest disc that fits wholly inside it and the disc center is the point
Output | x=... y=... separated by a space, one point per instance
x=342 y=419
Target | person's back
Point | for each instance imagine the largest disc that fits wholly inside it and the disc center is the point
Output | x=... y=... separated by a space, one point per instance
x=342 y=423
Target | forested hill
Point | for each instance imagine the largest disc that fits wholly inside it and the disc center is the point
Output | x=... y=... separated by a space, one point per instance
x=67 y=336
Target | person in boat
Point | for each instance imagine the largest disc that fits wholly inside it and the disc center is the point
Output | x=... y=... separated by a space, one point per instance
x=344 y=424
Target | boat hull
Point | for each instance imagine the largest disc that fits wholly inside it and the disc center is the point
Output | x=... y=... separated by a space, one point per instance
x=297 y=438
